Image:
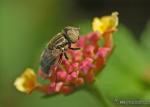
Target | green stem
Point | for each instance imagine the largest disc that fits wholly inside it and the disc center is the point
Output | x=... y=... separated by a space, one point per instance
x=95 y=92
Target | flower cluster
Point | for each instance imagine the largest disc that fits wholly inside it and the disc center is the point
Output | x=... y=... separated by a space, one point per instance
x=82 y=66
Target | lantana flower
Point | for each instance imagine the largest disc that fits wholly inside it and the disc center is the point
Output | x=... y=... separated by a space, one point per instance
x=82 y=66
x=106 y=23
x=27 y=82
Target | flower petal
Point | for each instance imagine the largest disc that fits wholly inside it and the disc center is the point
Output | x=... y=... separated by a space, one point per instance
x=27 y=81
x=106 y=23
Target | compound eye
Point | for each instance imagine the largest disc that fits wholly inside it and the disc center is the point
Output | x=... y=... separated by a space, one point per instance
x=73 y=35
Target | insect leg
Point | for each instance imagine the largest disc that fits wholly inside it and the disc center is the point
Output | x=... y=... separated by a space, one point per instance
x=73 y=48
x=60 y=59
x=66 y=55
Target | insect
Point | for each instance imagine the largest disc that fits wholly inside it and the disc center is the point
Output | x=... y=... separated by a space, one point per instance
x=57 y=47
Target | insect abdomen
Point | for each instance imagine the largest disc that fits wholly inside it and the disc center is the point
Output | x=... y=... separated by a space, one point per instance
x=48 y=60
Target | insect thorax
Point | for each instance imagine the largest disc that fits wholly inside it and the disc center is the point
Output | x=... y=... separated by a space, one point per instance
x=59 y=41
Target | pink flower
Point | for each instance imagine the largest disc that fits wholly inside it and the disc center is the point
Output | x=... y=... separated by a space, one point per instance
x=82 y=65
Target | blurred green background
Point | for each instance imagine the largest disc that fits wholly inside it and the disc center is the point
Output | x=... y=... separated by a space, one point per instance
x=27 y=25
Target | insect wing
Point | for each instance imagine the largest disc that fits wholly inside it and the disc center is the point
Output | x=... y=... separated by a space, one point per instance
x=49 y=58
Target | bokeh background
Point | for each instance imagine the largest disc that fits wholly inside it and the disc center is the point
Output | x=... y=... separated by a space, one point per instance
x=27 y=25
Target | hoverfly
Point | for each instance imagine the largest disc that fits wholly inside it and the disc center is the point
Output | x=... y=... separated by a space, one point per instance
x=57 y=47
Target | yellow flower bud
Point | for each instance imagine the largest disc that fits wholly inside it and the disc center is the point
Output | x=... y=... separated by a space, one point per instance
x=27 y=82
x=105 y=23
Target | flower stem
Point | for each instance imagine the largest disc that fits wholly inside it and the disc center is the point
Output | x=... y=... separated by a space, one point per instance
x=95 y=92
